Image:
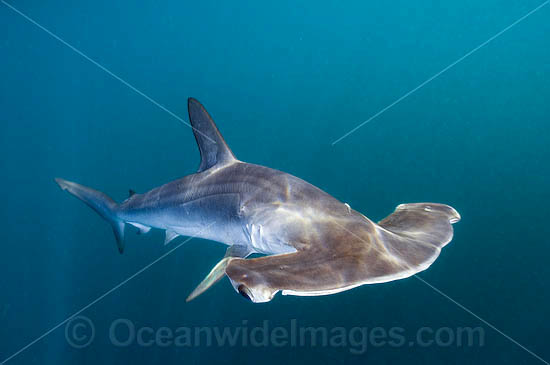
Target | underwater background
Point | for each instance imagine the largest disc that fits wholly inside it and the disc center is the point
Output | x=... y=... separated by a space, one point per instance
x=283 y=80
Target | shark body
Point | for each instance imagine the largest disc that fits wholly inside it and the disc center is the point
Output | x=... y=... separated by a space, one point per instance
x=316 y=245
x=237 y=204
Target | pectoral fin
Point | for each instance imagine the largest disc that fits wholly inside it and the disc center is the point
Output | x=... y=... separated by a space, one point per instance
x=235 y=251
x=241 y=251
x=212 y=278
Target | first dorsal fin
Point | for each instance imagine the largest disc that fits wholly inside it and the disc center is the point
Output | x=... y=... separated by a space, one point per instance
x=212 y=146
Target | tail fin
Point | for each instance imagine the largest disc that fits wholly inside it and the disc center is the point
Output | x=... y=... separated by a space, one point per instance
x=101 y=203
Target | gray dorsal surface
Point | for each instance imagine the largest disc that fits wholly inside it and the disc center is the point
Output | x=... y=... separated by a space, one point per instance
x=212 y=146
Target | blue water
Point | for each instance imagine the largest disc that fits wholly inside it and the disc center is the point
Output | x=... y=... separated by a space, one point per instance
x=283 y=80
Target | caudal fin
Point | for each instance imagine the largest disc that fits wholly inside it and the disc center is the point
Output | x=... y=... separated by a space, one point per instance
x=101 y=203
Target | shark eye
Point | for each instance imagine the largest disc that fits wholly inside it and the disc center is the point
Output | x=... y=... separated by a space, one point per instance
x=243 y=290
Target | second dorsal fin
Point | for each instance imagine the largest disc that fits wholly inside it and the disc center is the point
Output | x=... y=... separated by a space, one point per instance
x=212 y=146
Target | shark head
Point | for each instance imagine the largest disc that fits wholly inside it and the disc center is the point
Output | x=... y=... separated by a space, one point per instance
x=254 y=293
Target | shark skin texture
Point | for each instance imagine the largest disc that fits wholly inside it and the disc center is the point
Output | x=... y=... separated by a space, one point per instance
x=313 y=243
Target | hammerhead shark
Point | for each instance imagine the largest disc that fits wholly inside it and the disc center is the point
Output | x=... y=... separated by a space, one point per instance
x=312 y=244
